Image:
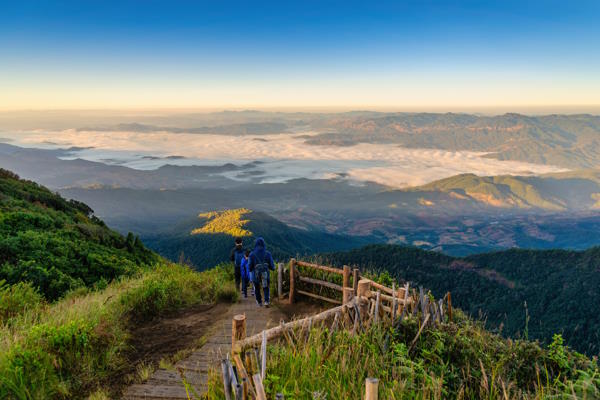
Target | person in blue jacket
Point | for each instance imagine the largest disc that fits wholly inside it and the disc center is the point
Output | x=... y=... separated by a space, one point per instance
x=246 y=274
x=260 y=263
x=237 y=254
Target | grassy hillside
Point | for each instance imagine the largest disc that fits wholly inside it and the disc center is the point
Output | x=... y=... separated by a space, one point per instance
x=208 y=239
x=79 y=345
x=459 y=360
x=57 y=245
x=70 y=292
x=522 y=293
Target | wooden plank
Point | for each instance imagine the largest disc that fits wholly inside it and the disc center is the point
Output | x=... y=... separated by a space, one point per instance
x=280 y=281
x=260 y=390
x=320 y=267
x=390 y=299
x=316 y=296
x=322 y=283
x=292 y=277
x=243 y=374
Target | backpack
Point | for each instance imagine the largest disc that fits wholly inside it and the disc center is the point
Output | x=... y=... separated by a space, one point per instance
x=239 y=256
x=261 y=271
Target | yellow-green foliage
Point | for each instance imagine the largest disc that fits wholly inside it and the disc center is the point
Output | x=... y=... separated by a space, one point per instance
x=458 y=360
x=73 y=347
x=230 y=222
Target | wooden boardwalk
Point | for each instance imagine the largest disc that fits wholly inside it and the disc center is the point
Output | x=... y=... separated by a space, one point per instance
x=167 y=384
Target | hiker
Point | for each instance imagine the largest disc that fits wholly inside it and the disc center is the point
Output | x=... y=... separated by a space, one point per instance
x=237 y=254
x=260 y=262
x=246 y=274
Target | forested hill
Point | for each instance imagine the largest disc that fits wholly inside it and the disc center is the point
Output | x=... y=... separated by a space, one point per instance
x=556 y=289
x=207 y=239
x=58 y=245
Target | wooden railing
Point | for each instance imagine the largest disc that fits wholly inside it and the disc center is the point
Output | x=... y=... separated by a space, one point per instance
x=363 y=303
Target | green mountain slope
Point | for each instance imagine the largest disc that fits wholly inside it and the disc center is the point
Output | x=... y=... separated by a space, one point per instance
x=56 y=244
x=559 y=287
x=567 y=191
x=204 y=241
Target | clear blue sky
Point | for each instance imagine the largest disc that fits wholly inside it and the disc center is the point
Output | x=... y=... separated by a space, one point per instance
x=405 y=55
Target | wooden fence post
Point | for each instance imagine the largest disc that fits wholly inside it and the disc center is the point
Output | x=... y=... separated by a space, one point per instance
x=280 y=281
x=377 y=306
x=355 y=279
x=226 y=380
x=347 y=295
x=449 y=306
x=292 y=271
x=364 y=288
x=346 y=277
x=371 y=388
x=260 y=389
x=263 y=356
x=394 y=302
x=238 y=329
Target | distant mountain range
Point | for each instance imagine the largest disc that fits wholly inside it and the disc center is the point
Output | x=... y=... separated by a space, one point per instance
x=571 y=141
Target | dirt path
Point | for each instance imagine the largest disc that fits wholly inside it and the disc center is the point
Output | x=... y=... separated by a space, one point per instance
x=167 y=384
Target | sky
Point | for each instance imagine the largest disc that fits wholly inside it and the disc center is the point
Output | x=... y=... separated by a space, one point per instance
x=401 y=55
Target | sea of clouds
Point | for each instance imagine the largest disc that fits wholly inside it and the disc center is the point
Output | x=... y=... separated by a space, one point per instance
x=284 y=156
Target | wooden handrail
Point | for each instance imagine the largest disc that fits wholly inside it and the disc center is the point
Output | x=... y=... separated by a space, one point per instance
x=320 y=267
x=277 y=331
x=330 y=285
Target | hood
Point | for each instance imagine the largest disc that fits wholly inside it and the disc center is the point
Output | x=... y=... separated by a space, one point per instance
x=260 y=247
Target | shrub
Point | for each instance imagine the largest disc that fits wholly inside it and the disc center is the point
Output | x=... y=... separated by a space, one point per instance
x=15 y=299
x=78 y=345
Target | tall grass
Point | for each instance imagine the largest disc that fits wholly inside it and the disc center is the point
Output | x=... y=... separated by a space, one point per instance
x=457 y=360
x=74 y=346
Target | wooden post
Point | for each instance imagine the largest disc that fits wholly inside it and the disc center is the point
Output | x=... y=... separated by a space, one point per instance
x=347 y=295
x=226 y=379
x=371 y=388
x=238 y=329
x=244 y=388
x=355 y=279
x=260 y=389
x=280 y=281
x=377 y=306
x=364 y=288
x=292 y=271
x=346 y=277
x=263 y=356
x=394 y=302
x=449 y=306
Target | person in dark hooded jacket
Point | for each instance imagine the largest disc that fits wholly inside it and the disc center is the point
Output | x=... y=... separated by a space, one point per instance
x=260 y=263
x=237 y=254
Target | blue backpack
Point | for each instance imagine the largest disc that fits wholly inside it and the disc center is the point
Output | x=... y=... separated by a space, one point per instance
x=239 y=255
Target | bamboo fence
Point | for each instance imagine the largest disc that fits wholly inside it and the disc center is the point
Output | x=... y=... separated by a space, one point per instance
x=359 y=302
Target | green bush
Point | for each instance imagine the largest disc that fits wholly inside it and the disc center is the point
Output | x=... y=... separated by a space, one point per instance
x=77 y=344
x=16 y=299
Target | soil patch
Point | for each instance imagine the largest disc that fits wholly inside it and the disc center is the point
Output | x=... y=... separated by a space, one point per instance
x=160 y=338
x=165 y=336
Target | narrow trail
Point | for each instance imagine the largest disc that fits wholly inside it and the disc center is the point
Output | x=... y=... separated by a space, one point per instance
x=167 y=384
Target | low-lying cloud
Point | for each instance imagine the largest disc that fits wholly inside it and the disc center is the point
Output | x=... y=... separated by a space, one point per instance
x=285 y=156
